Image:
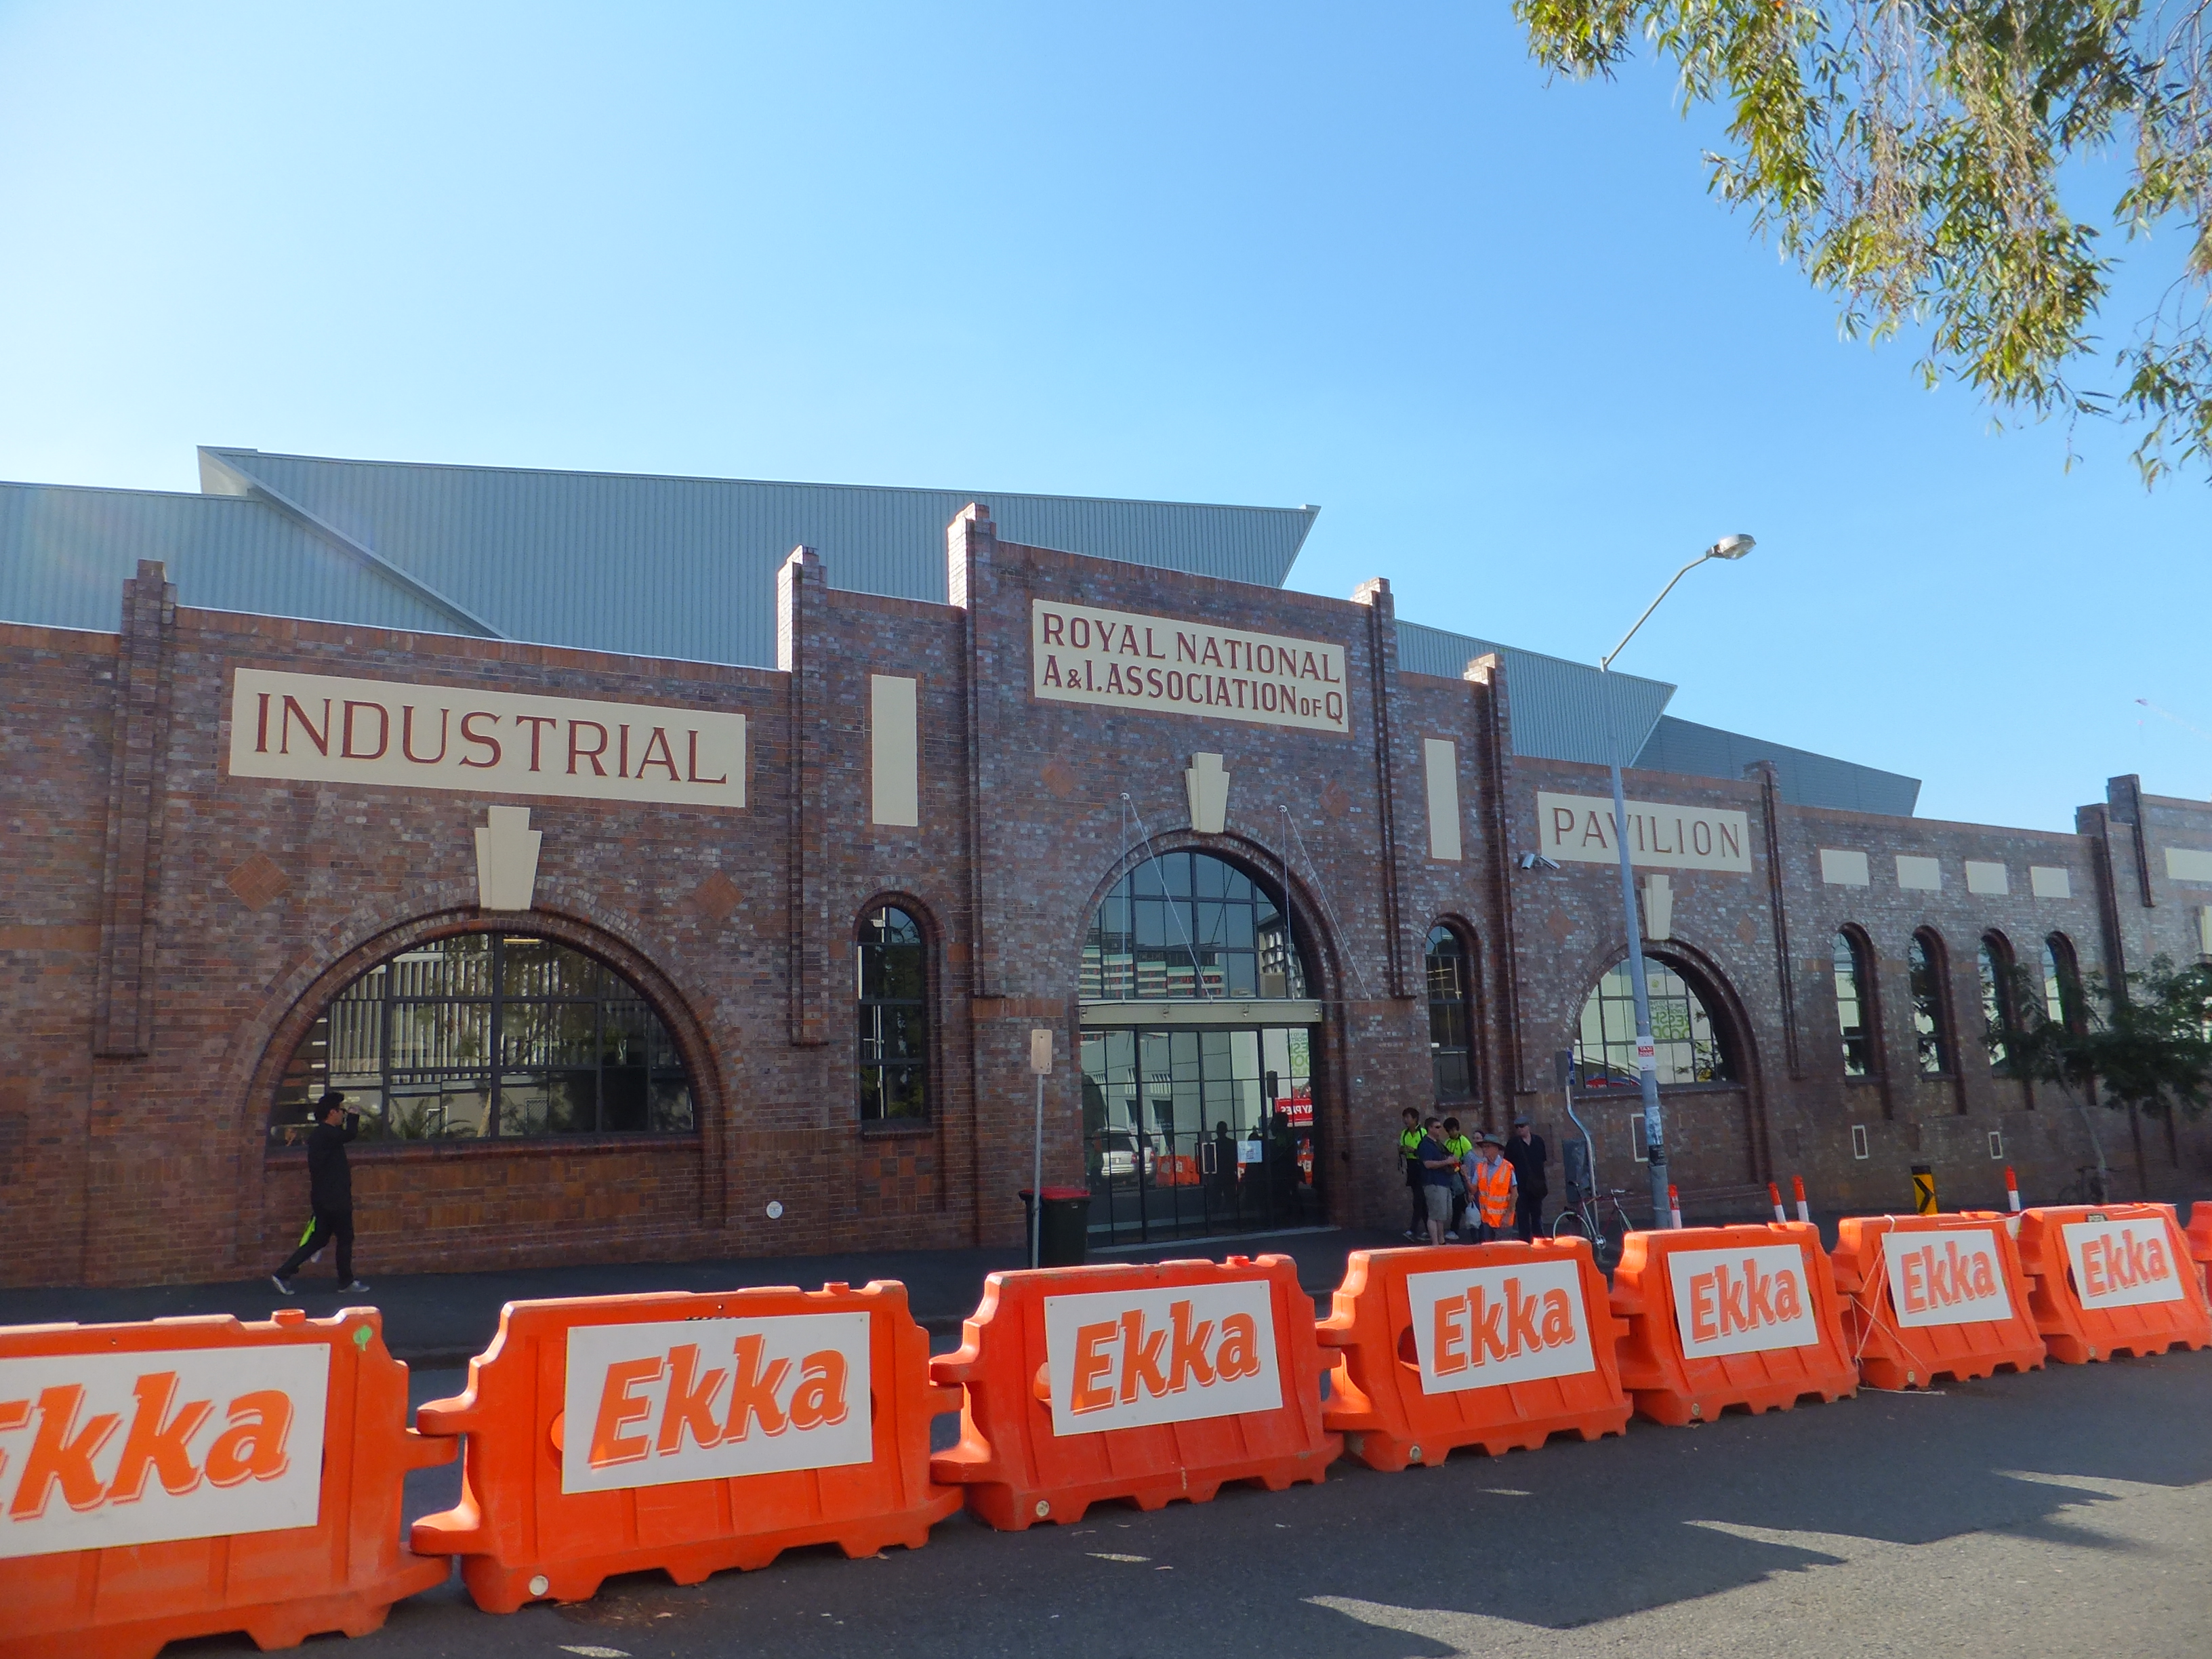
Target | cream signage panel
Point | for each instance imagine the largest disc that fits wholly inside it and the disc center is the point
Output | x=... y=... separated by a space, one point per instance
x=325 y=729
x=1080 y=653
x=1578 y=829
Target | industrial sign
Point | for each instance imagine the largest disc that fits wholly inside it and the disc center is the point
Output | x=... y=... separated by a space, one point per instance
x=1578 y=829
x=1080 y=653
x=324 y=729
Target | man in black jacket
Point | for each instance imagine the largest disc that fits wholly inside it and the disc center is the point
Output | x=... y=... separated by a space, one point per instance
x=329 y=1194
x=1526 y=1152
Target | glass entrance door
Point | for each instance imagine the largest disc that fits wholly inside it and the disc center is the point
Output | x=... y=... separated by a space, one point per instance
x=1189 y=1132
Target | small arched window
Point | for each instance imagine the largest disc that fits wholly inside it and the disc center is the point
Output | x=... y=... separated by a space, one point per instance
x=1994 y=962
x=2061 y=982
x=1854 y=1004
x=1451 y=1020
x=1189 y=927
x=1931 y=1030
x=892 y=960
x=1689 y=1041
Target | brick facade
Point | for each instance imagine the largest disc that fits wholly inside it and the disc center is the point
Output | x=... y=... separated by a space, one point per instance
x=169 y=932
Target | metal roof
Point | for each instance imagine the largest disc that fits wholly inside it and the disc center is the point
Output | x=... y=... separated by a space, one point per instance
x=1806 y=779
x=65 y=553
x=674 y=566
x=1560 y=708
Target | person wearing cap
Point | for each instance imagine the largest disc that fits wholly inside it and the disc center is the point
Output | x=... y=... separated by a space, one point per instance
x=1526 y=1152
x=1438 y=1166
x=329 y=1194
x=1490 y=1185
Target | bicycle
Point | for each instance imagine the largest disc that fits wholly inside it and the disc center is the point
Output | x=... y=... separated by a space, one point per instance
x=2088 y=1187
x=1600 y=1218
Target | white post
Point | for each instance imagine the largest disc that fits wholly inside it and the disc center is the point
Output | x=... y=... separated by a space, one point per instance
x=1041 y=1063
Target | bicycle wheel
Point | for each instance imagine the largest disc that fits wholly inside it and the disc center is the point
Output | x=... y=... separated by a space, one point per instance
x=1613 y=1236
x=1570 y=1224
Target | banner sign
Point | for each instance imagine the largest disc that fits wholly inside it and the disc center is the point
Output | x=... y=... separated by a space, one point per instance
x=707 y=1399
x=102 y=1449
x=1475 y=1327
x=1578 y=829
x=1119 y=1359
x=320 y=728
x=1080 y=653
x=1948 y=1277
x=1741 y=1301
x=2122 y=1264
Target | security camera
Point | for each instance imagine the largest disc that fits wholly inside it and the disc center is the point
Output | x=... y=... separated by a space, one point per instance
x=1536 y=861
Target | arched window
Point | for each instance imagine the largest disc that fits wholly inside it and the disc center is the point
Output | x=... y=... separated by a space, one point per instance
x=2061 y=982
x=1994 y=962
x=1855 y=1004
x=489 y=1036
x=1188 y=926
x=892 y=970
x=1689 y=1041
x=1451 y=1021
x=1931 y=1032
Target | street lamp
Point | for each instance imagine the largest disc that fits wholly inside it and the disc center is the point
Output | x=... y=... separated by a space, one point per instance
x=1647 y=1052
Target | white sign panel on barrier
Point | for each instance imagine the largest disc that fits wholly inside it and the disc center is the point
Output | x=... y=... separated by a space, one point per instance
x=1475 y=1327
x=2122 y=1264
x=103 y=1449
x=1746 y=1300
x=1119 y=1360
x=1950 y=1278
x=706 y=1399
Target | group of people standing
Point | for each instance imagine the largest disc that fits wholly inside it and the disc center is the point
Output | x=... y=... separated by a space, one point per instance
x=1466 y=1188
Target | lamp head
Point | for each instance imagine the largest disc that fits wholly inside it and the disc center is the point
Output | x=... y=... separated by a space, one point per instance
x=1730 y=547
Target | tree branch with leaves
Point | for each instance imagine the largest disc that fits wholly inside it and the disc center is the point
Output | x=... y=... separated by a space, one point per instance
x=1917 y=157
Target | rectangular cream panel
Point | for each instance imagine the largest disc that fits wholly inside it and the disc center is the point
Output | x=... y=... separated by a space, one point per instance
x=2188 y=864
x=321 y=728
x=2204 y=948
x=1987 y=879
x=1440 y=758
x=894 y=751
x=1920 y=875
x=1842 y=867
x=1578 y=829
x=2050 y=881
x=1164 y=665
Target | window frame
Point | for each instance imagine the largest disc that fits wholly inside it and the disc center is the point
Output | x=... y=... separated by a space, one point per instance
x=919 y=1064
x=1941 y=1036
x=1701 y=995
x=1994 y=964
x=1852 y=946
x=1445 y=932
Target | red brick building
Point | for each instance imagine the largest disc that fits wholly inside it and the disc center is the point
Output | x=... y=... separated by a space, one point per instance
x=636 y=958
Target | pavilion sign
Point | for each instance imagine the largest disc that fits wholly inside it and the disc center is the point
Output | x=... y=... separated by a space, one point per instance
x=327 y=730
x=1080 y=653
x=1578 y=829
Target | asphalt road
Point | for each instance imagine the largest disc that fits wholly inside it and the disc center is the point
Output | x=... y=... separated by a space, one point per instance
x=2059 y=1513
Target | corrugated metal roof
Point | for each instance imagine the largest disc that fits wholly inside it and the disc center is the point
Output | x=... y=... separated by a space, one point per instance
x=1806 y=779
x=685 y=568
x=65 y=553
x=1559 y=709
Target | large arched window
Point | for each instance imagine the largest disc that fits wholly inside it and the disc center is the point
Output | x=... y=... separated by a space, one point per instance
x=1994 y=962
x=2061 y=982
x=1690 y=1044
x=892 y=970
x=1931 y=1029
x=485 y=1035
x=1855 y=1003
x=1451 y=1015
x=1190 y=926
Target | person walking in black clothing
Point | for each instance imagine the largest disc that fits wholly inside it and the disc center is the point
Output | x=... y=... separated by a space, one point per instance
x=1526 y=1152
x=1409 y=1154
x=329 y=1194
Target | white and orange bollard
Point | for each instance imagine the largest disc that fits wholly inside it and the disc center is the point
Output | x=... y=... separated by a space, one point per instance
x=1674 y=1207
x=1774 y=1194
x=1804 y=1210
x=2012 y=1191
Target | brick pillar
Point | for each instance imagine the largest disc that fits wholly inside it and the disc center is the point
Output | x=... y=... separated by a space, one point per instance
x=1382 y=684
x=123 y=1017
x=1507 y=1060
x=799 y=584
x=971 y=545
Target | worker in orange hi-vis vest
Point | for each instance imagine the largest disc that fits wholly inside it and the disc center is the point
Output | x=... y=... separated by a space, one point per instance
x=1491 y=1191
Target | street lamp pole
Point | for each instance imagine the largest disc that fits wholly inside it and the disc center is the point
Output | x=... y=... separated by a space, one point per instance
x=1647 y=1052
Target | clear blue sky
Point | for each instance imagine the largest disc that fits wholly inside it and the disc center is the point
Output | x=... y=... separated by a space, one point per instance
x=1362 y=257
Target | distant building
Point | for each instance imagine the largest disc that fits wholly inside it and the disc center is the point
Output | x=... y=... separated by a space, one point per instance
x=661 y=891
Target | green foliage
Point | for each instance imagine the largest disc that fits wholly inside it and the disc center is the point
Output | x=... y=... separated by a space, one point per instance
x=1910 y=154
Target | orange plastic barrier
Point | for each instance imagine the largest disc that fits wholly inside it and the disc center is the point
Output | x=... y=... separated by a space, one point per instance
x=1496 y=1346
x=690 y=1433
x=2200 y=1240
x=1930 y=1296
x=1149 y=1382
x=2110 y=1279
x=1721 y=1316
x=191 y=1477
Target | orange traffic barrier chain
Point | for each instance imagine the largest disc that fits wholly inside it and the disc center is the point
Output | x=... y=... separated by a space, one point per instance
x=2110 y=1279
x=1148 y=1382
x=1495 y=1345
x=691 y=1433
x=1931 y=1295
x=1722 y=1316
x=193 y=1477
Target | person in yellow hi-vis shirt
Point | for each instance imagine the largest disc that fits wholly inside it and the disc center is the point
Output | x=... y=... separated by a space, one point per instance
x=1409 y=1154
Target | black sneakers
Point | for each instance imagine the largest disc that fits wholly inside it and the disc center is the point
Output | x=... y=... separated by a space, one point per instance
x=348 y=1290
